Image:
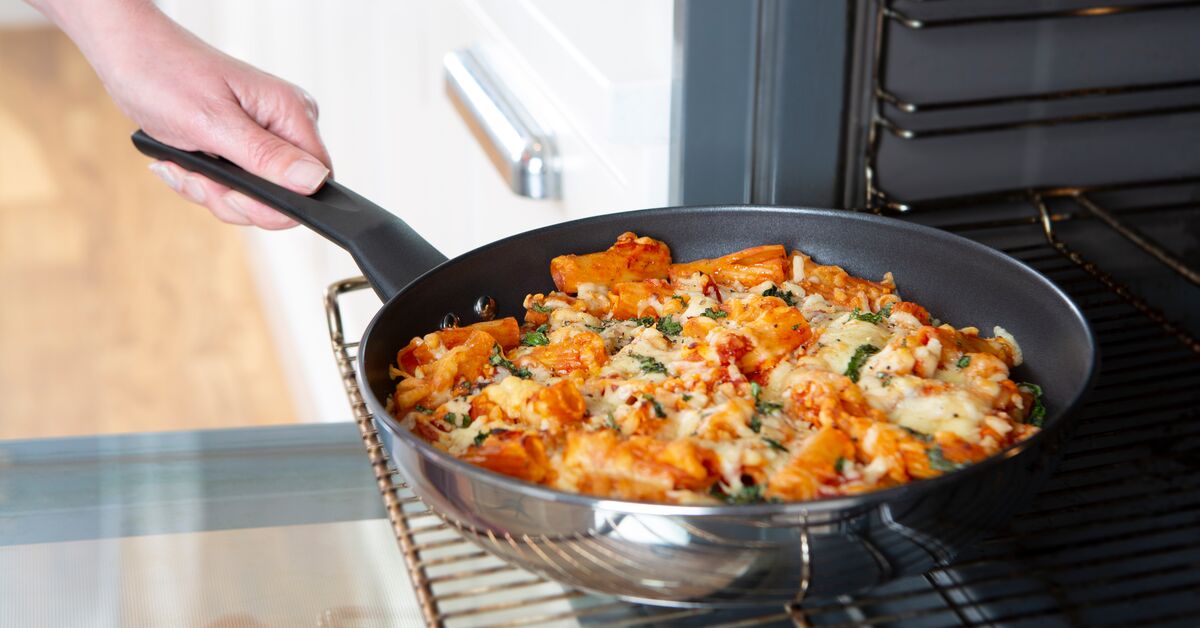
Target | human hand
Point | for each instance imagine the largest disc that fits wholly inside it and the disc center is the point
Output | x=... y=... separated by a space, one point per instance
x=185 y=93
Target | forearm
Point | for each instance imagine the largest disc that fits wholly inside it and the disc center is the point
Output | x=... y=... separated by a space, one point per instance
x=106 y=31
x=186 y=93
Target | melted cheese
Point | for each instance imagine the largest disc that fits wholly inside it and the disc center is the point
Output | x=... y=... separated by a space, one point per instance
x=956 y=411
x=843 y=337
x=713 y=419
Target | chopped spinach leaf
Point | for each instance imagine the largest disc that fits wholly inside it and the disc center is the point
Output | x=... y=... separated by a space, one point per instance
x=483 y=434
x=1037 y=414
x=498 y=359
x=858 y=359
x=884 y=379
x=668 y=326
x=612 y=423
x=938 y=461
x=687 y=397
x=774 y=444
x=679 y=298
x=964 y=362
x=599 y=329
x=539 y=308
x=787 y=297
x=644 y=321
x=917 y=435
x=658 y=409
x=713 y=314
x=537 y=337
x=649 y=364
x=422 y=409
x=756 y=424
x=752 y=494
x=866 y=317
x=840 y=465
x=767 y=407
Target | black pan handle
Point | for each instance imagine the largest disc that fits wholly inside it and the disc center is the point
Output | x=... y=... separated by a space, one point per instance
x=387 y=250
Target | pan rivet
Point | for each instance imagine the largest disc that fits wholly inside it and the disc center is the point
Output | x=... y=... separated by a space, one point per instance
x=485 y=308
x=450 y=320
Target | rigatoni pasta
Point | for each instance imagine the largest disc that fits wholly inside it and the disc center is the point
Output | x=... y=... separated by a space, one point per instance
x=760 y=375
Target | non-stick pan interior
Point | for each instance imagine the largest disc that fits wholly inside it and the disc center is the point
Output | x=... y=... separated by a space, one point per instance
x=957 y=280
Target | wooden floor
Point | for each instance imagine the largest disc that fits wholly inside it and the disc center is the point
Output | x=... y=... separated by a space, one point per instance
x=122 y=308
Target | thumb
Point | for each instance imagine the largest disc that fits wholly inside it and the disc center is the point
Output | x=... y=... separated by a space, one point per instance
x=269 y=156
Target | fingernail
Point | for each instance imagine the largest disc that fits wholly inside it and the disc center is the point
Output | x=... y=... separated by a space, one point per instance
x=165 y=174
x=235 y=203
x=193 y=190
x=306 y=174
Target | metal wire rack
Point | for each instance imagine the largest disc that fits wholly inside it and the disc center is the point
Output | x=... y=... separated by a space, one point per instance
x=1113 y=540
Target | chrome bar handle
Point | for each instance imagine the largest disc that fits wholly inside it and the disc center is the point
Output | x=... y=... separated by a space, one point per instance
x=521 y=150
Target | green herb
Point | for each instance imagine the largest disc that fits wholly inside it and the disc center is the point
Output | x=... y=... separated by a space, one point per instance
x=884 y=378
x=760 y=406
x=668 y=326
x=482 y=435
x=644 y=321
x=649 y=364
x=687 y=397
x=866 y=317
x=858 y=359
x=537 y=337
x=755 y=424
x=539 y=308
x=612 y=423
x=938 y=462
x=1037 y=414
x=451 y=418
x=776 y=445
x=498 y=359
x=964 y=362
x=596 y=328
x=679 y=298
x=796 y=327
x=422 y=409
x=917 y=435
x=787 y=297
x=840 y=465
x=713 y=314
x=658 y=409
x=752 y=494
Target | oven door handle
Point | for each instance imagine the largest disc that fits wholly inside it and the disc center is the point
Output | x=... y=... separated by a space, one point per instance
x=523 y=153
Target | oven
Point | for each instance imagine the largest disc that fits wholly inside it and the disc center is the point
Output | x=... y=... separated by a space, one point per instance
x=1065 y=133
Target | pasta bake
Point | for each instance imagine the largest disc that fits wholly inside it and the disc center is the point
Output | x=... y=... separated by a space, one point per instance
x=758 y=376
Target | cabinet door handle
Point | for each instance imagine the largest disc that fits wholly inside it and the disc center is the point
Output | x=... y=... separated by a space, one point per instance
x=523 y=153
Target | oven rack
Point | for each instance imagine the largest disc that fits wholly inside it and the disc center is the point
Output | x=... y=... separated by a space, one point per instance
x=883 y=100
x=1114 y=539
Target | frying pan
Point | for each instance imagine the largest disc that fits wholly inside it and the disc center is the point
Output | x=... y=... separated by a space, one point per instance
x=701 y=555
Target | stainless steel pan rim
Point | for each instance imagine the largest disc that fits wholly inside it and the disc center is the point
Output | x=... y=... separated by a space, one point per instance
x=1054 y=420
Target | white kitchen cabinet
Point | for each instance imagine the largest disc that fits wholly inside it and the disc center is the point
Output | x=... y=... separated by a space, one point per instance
x=597 y=75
